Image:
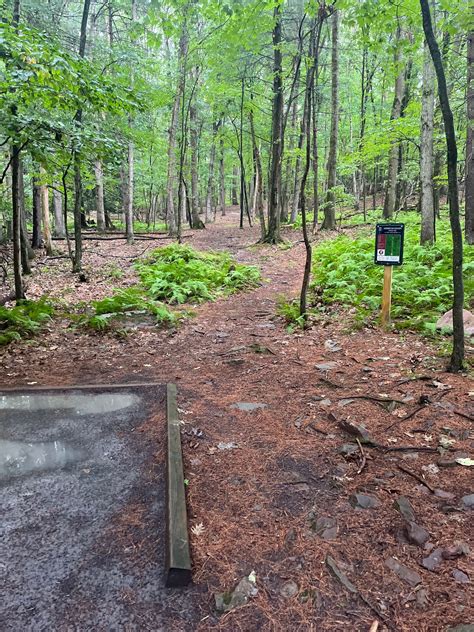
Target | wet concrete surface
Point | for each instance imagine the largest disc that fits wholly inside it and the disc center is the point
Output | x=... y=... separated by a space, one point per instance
x=82 y=505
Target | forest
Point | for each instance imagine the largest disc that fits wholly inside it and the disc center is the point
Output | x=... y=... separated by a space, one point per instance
x=190 y=191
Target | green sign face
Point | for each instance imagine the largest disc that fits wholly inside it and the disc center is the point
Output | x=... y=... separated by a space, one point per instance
x=389 y=244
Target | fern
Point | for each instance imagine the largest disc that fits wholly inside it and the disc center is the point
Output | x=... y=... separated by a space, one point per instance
x=24 y=320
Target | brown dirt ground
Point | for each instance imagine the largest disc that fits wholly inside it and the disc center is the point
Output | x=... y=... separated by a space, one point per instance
x=256 y=502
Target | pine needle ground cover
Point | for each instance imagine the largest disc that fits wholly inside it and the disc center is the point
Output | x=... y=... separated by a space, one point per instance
x=174 y=275
x=344 y=273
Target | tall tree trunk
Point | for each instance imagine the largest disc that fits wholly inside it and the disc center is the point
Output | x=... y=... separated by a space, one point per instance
x=48 y=244
x=273 y=231
x=314 y=102
x=99 y=196
x=426 y=152
x=210 y=179
x=469 y=228
x=457 y=357
x=17 y=212
x=59 y=228
x=129 y=195
x=222 y=178
x=36 y=241
x=235 y=178
x=193 y=137
x=393 y=159
x=78 y=214
x=329 y=222
x=259 y=176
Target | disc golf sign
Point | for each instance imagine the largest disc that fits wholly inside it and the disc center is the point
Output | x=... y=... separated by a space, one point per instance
x=389 y=244
x=389 y=240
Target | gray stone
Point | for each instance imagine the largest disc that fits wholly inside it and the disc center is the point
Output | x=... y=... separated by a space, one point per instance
x=460 y=577
x=456 y=550
x=356 y=430
x=416 y=535
x=227 y=601
x=248 y=406
x=326 y=366
x=433 y=560
x=332 y=346
x=325 y=527
x=402 y=504
x=422 y=597
x=339 y=575
x=468 y=501
x=440 y=493
x=406 y=574
x=445 y=322
x=464 y=627
x=289 y=590
x=349 y=449
x=364 y=501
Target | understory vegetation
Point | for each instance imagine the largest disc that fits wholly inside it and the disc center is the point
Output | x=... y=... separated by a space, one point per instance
x=345 y=274
x=23 y=320
x=173 y=275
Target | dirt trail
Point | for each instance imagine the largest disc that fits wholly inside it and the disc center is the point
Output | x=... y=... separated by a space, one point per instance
x=264 y=501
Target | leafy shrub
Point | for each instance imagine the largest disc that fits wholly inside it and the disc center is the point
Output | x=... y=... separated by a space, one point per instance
x=123 y=302
x=23 y=320
x=290 y=311
x=344 y=272
x=179 y=274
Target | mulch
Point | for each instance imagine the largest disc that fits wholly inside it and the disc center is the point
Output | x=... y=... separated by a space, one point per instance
x=256 y=502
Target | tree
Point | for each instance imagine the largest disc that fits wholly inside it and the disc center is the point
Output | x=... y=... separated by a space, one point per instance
x=426 y=152
x=329 y=222
x=469 y=229
x=457 y=356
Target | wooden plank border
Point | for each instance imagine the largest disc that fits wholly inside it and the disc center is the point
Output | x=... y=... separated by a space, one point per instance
x=75 y=387
x=178 y=558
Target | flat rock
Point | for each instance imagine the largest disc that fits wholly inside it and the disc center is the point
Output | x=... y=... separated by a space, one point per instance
x=406 y=574
x=349 y=449
x=403 y=505
x=468 y=501
x=451 y=460
x=339 y=574
x=456 y=550
x=364 y=501
x=464 y=627
x=416 y=535
x=332 y=346
x=356 y=430
x=433 y=560
x=326 y=366
x=227 y=601
x=289 y=590
x=248 y=406
x=460 y=576
x=440 y=493
x=325 y=527
x=446 y=322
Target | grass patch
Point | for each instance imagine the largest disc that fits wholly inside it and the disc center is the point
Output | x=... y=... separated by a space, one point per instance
x=344 y=272
x=23 y=320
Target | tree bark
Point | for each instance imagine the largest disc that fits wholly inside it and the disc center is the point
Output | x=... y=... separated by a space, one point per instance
x=427 y=235
x=129 y=195
x=222 y=178
x=329 y=222
x=193 y=137
x=235 y=178
x=99 y=196
x=393 y=159
x=273 y=232
x=259 y=176
x=48 y=244
x=210 y=179
x=36 y=237
x=457 y=356
x=469 y=193
x=59 y=228
x=17 y=211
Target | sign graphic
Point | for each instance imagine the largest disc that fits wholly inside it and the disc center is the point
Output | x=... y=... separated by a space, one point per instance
x=389 y=244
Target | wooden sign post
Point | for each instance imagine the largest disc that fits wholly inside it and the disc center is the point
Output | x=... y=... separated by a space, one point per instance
x=388 y=252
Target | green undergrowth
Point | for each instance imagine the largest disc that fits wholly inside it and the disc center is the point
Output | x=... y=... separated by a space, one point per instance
x=172 y=276
x=344 y=273
x=23 y=320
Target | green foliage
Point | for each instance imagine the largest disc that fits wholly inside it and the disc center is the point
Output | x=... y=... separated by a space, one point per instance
x=132 y=301
x=345 y=273
x=179 y=274
x=290 y=311
x=23 y=320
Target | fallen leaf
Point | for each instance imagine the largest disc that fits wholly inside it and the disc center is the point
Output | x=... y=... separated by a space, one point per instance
x=465 y=462
x=198 y=529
